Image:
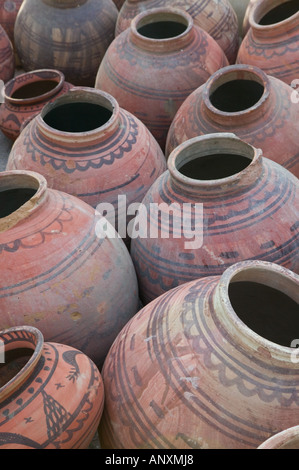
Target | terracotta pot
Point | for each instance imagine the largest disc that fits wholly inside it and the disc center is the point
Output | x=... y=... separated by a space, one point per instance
x=107 y=154
x=286 y=439
x=68 y=35
x=26 y=94
x=227 y=204
x=272 y=41
x=51 y=395
x=244 y=100
x=7 y=58
x=77 y=288
x=206 y=365
x=215 y=17
x=152 y=77
x=8 y=13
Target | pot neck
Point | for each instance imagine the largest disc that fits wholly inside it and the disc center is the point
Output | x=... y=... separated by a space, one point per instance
x=236 y=94
x=203 y=154
x=33 y=182
x=276 y=29
x=149 y=30
x=105 y=124
x=252 y=343
x=18 y=338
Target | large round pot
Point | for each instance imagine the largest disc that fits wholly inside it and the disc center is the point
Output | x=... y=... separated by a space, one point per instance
x=69 y=35
x=216 y=17
x=51 y=395
x=7 y=58
x=207 y=365
x=242 y=99
x=272 y=42
x=286 y=439
x=155 y=64
x=57 y=273
x=86 y=145
x=220 y=202
x=26 y=94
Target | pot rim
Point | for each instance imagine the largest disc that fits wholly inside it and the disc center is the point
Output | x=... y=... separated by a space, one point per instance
x=259 y=8
x=25 y=101
x=266 y=273
x=27 y=369
x=88 y=94
x=171 y=43
x=176 y=158
x=229 y=71
x=33 y=180
x=278 y=440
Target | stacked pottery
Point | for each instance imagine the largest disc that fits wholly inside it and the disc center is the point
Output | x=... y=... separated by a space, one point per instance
x=57 y=273
x=216 y=17
x=69 y=35
x=85 y=144
x=151 y=67
x=208 y=365
x=272 y=42
x=25 y=96
x=220 y=202
x=7 y=58
x=242 y=99
x=51 y=395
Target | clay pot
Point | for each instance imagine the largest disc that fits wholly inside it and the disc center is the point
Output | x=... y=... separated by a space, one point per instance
x=206 y=365
x=155 y=64
x=287 y=439
x=51 y=395
x=215 y=17
x=272 y=40
x=26 y=94
x=8 y=13
x=68 y=35
x=220 y=202
x=7 y=58
x=77 y=288
x=244 y=100
x=106 y=154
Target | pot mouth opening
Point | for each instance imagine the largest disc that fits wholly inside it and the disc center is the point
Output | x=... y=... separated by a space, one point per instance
x=34 y=89
x=210 y=160
x=16 y=192
x=77 y=117
x=234 y=95
x=162 y=25
x=268 y=306
x=214 y=166
x=12 y=199
x=279 y=13
x=80 y=111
